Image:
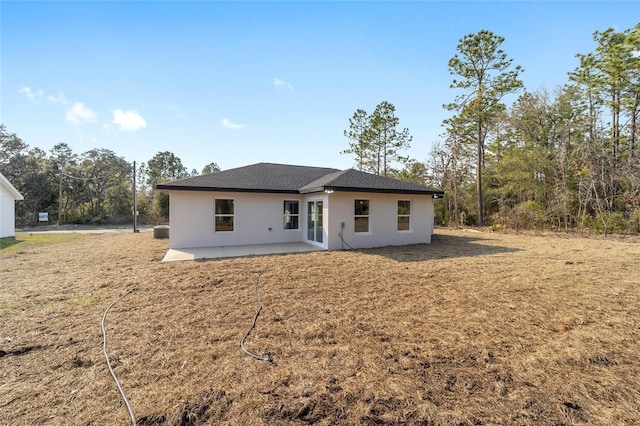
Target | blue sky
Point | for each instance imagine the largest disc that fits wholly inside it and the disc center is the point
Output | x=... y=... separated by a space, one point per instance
x=246 y=82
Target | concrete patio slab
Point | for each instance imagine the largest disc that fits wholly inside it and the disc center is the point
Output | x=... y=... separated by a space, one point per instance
x=237 y=251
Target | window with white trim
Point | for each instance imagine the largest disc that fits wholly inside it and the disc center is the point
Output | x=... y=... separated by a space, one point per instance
x=404 y=215
x=291 y=214
x=361 y=213
x=224 y=215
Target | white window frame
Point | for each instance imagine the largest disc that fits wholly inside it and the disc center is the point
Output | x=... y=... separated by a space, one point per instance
x=286 y=215
x=216 y=215
x=367 y=216
x=398 y=216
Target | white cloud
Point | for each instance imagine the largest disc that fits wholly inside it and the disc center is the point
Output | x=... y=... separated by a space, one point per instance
x=128 y=121
x=79 y=113
x=229 y=125
x=60 y=99
x=281 y=83
x=30 y=94
x=35 y=96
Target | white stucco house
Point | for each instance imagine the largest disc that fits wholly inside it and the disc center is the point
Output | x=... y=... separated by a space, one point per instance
x=268 y=203
x=8 y=196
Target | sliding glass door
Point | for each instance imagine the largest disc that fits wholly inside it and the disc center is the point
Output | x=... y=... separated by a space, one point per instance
x=314 y=221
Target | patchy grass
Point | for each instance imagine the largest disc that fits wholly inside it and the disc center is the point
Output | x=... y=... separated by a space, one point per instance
x=476 y=328
x=27 y=241
x=7 y=242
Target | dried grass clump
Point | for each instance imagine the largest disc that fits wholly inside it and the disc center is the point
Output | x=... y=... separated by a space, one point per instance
x=475 y=328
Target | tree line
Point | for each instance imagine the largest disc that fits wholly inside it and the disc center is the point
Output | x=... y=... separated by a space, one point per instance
x=94 y=187
x=564 y=159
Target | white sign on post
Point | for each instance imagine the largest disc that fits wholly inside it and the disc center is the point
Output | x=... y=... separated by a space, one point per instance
x=43 y=217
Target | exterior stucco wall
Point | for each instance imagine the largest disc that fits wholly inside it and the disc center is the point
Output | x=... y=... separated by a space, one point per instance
x=258 y=219
x=382 y=220
x=7 y=214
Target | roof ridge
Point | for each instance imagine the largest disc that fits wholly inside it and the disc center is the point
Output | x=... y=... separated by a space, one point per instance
x=290 y=165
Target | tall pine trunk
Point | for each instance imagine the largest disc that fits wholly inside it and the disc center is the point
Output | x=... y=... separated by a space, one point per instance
x=479 y=173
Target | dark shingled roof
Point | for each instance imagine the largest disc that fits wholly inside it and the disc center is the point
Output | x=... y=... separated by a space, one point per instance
x=356 y=181
x=261 y=177
x=281 y=178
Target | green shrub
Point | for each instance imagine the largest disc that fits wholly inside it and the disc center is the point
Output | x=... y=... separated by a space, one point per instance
x=529 y=215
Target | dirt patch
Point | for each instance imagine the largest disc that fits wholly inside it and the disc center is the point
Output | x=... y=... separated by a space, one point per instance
x=475 y=328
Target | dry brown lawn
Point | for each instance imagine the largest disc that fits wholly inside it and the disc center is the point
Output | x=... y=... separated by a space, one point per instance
x=474 y=329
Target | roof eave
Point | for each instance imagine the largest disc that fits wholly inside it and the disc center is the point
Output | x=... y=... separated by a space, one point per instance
x=15 y=194
x=165 y=188
x=311 y=190
x=384 y=190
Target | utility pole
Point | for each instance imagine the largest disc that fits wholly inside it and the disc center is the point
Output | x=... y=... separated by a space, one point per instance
x=60 y=168
x=135 y=201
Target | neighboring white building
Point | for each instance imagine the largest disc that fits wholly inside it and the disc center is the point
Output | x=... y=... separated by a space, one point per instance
x=268 y=203
x=8 y=196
